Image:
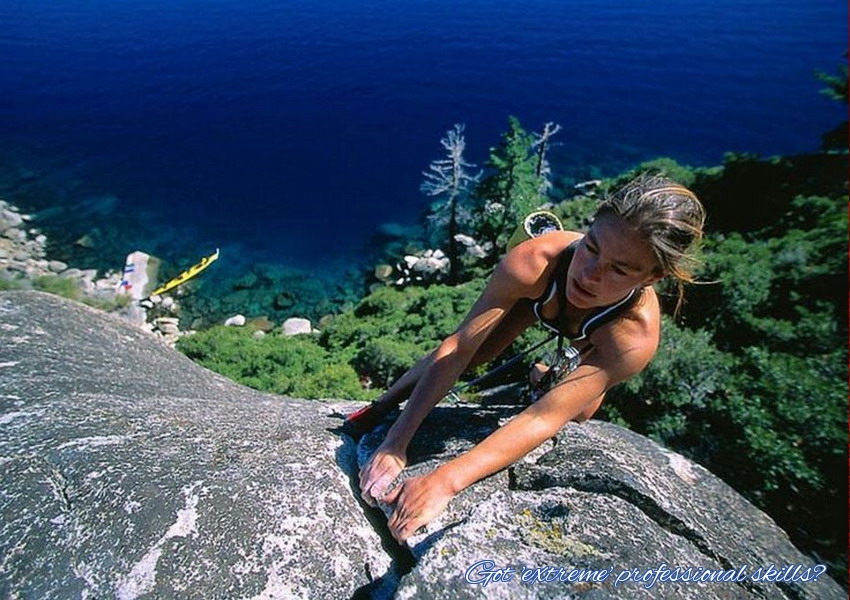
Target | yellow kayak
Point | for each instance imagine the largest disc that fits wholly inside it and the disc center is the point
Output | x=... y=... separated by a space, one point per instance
x=187 y=274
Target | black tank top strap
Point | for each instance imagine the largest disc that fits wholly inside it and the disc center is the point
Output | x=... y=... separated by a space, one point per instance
x=554 y=289
x=606 y=314
x=594 y=320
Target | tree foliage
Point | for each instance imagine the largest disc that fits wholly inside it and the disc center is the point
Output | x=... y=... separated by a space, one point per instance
x=784 y=290
x=512 y=189
x=836 y=139
x=836 y=85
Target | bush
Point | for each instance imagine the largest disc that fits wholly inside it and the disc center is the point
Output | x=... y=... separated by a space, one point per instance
x=783 y=288
x=332 y=380
x=9 y=284
x=670 y=399
x=413 y=317
x=682 y=174
x=293 y=366
x=384 y=360
x=61 y=286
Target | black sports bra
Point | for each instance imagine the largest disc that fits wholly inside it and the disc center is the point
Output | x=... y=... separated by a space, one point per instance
x=592 y=321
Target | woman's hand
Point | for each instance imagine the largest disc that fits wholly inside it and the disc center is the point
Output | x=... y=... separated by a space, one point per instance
x=418 y=501
x=379 y=473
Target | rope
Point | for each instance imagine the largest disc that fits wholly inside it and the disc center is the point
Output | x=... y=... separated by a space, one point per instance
x=453 y=393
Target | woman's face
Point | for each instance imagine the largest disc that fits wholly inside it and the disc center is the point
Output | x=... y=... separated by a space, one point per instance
x=609 y=262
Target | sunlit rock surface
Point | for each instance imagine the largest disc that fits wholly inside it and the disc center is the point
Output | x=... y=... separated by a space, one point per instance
x=128 y=471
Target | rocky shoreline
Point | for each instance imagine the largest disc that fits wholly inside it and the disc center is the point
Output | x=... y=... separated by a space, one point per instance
x=23 y=257
x=25 y=264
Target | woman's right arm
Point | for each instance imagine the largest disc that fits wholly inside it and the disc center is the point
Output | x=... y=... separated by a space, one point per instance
x=517 y=276
x=437 y=374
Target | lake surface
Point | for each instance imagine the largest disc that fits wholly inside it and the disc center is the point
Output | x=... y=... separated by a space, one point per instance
x=294 y=129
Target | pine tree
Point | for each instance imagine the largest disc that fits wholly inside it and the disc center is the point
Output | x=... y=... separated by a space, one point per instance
x=540 y=146
x=835 y=139
x=516 y=185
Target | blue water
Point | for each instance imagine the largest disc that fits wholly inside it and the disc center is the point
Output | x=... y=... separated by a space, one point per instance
x=294 y=129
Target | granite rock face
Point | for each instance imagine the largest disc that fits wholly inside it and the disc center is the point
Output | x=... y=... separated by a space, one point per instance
x=600 y=500
x=128 y=471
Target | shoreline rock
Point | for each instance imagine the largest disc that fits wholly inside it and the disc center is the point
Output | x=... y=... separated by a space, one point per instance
x=23 y=258
x=24 y=263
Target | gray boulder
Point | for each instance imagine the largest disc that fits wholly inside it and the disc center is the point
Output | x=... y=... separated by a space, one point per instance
x=128 y=471
x=610 y=508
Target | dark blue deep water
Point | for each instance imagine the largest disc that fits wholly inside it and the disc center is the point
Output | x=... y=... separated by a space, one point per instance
x=293 y=129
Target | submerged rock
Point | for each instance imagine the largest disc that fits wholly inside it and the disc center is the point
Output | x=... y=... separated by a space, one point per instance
x=383 y=272
x=235 y=321
x=263 y=324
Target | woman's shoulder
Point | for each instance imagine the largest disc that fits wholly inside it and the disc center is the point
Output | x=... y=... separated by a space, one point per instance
x=533 y=260
x=632 y=340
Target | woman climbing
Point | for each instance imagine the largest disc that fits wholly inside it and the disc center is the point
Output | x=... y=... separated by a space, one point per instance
x=594 y=289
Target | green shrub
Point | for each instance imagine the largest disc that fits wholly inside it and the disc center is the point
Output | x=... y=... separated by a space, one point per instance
x=669 y=400
x=783 y=288
x=682 y=174
x=113 y=303
x=383 y=360
x=413 y=317
x=293 y=366
x=337 y=381
x=9 y=284
x=61 y=286
x=575 y=213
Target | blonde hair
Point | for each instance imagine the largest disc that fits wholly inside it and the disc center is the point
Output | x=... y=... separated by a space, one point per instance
x=668 y=216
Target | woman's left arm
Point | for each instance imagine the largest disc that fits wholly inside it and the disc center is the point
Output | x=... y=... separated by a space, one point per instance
x=420 y=499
